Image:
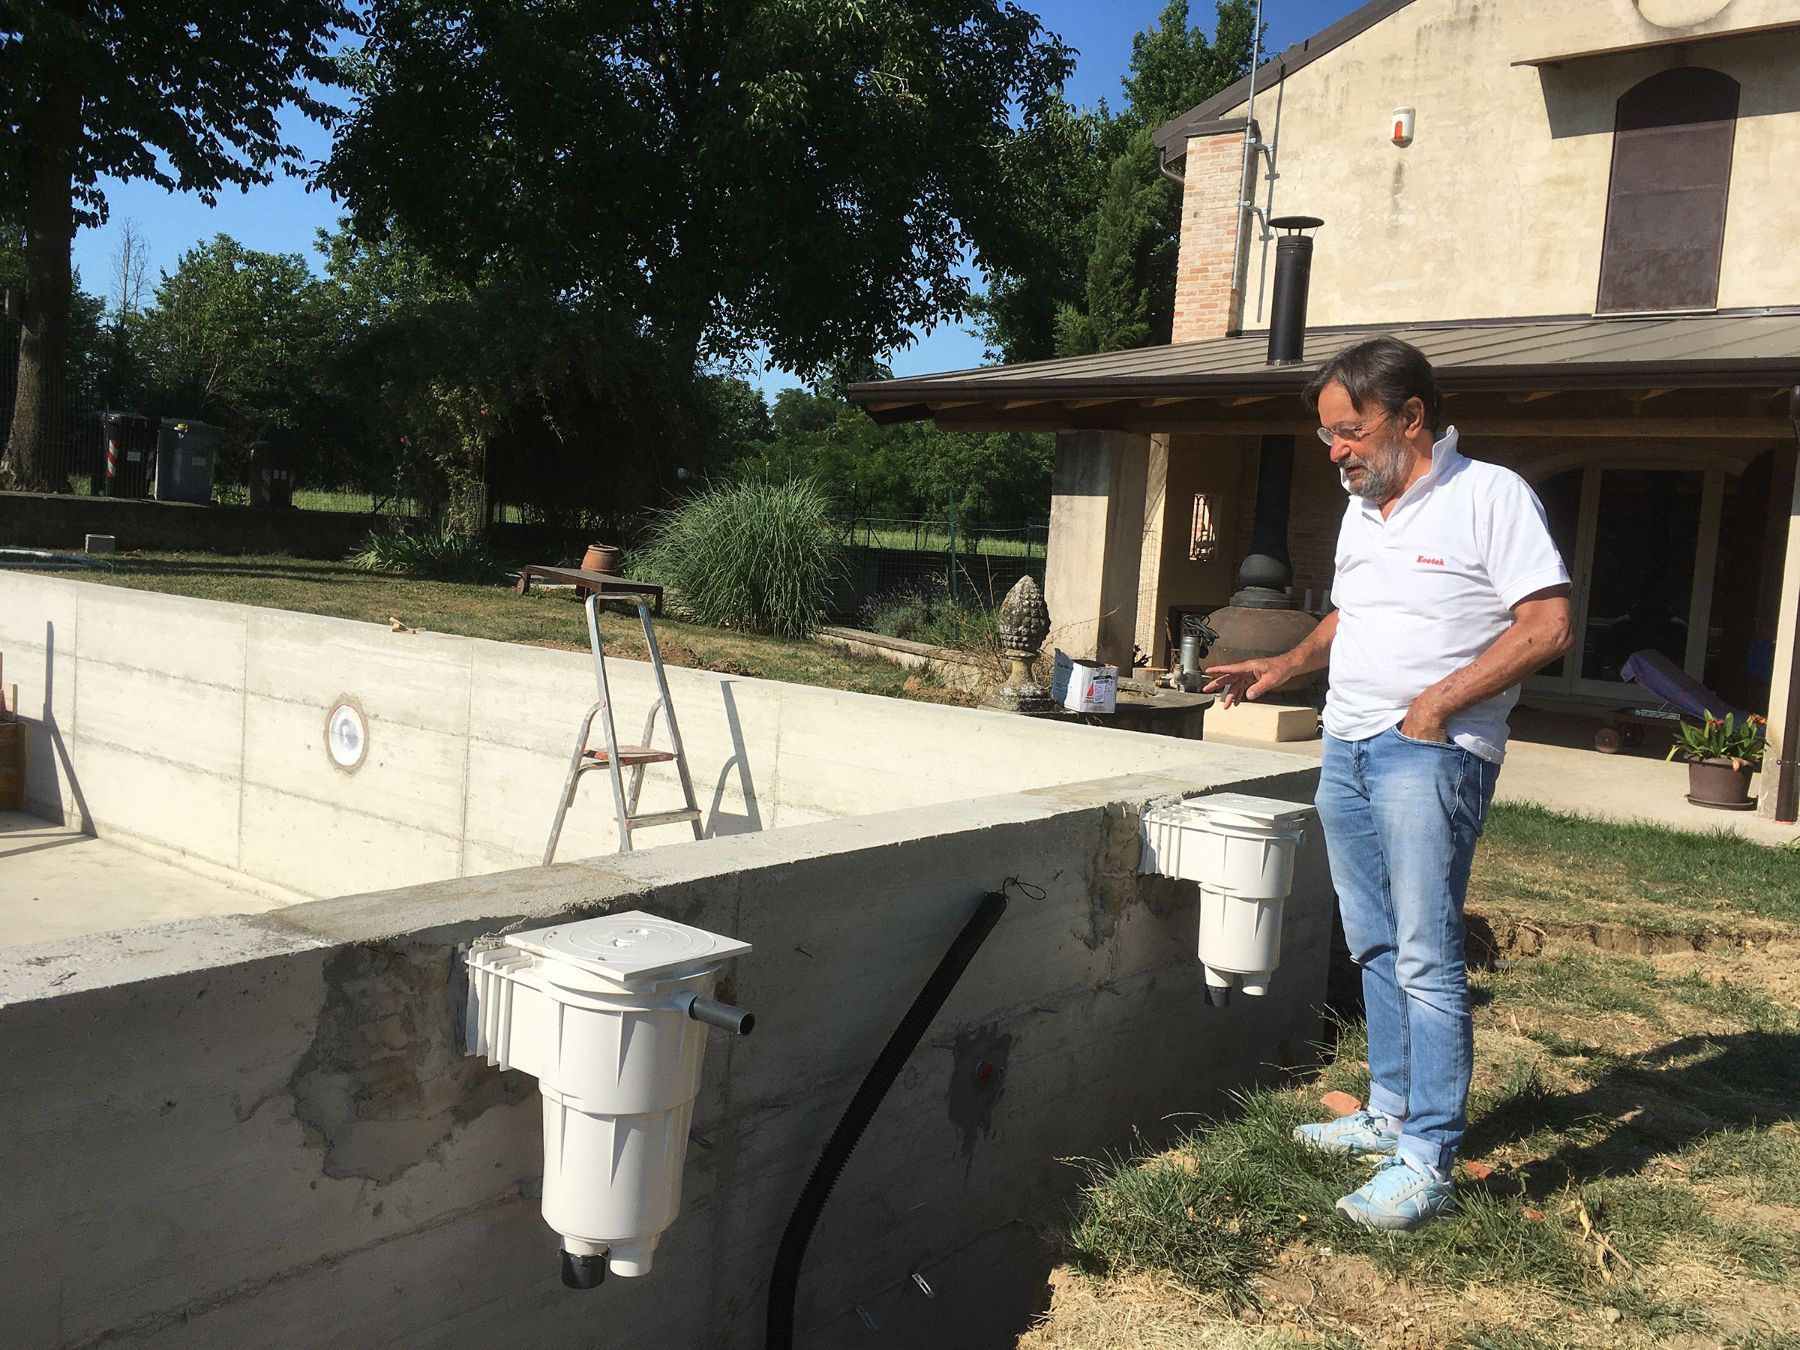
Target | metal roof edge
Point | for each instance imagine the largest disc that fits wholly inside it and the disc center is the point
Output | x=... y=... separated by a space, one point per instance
x=1498 y=377
x=1291 y=59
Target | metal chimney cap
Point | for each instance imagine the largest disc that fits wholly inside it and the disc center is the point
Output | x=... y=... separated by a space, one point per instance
x=1295 y=223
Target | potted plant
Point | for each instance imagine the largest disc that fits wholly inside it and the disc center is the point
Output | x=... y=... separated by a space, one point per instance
x=1721 y=754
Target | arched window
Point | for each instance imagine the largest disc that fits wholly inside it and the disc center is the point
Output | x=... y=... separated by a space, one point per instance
x=1665 y=212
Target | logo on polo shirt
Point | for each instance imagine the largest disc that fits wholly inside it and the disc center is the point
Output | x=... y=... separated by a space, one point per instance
x=1431 y=562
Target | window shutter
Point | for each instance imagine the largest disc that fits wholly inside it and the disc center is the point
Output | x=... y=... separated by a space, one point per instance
x=1671 y=173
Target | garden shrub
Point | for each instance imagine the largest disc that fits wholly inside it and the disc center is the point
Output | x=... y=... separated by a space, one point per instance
x=429 y=552
x=757 y=556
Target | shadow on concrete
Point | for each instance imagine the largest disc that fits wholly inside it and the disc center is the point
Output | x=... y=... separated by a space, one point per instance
x=717 y=821
x=47 y=745
x=983 y=1297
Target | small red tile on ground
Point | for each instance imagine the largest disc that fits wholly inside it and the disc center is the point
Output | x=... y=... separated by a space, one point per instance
x=1340 y=1103
x=1532 y=1212
x=1479 y=1170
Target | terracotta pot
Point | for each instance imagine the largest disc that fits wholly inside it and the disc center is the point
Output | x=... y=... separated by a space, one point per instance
x=1715 y=783
x=601 y=558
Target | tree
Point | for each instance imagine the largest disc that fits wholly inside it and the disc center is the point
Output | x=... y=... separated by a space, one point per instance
x=806 y=175
x=1114 y=311
x=130 y=273
x=85 y=343
x=236 y=337
x=182 y=96
x=1092 y=265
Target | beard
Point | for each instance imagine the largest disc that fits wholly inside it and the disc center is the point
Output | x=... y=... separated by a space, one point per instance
x=1383 y=466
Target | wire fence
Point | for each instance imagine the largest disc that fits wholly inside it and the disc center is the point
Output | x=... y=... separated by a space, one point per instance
x=949 y=535
x=68 y=454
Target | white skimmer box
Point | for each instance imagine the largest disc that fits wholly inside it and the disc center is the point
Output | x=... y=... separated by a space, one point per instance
x=1239 y=849
x=610 y=1016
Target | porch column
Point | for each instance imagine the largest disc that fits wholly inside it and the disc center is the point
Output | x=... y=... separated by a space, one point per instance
x=1150 y=559
x=1097 y=488
x=1783 y=737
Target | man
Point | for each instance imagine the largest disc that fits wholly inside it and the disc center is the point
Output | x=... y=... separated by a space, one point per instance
x=1449 y=591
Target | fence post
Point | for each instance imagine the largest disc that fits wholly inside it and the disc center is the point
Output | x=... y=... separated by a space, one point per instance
x=952 y=514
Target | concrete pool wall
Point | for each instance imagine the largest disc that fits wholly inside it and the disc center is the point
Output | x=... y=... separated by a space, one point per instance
x=199 y=726
x=256 y=1130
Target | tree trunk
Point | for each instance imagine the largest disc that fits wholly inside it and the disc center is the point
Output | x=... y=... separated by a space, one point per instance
x=50 y=136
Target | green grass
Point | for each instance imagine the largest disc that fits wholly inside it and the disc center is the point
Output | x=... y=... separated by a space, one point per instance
x=934 y=537
x=497 y=612
x=1573 y=983
x=1569 y=867
x=1211 y=1212
x=1655 y=1100
x=1759 y=1164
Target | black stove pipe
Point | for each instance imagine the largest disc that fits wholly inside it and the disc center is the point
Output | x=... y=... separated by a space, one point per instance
x=1264 y=574
x=1293 y=278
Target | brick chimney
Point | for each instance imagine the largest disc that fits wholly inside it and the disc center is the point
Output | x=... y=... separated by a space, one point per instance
x=1212 y=222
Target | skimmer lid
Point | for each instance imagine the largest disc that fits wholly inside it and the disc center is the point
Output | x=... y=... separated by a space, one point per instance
x=628 y=948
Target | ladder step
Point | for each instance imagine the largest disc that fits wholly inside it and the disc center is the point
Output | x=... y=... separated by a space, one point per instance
x=661 y=818
x=630 y=755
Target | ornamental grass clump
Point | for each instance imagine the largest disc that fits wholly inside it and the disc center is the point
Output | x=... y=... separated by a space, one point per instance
x=439 y=553
x=755 y=556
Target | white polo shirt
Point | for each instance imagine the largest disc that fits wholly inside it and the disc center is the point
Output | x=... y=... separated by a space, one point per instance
x=1428 y=589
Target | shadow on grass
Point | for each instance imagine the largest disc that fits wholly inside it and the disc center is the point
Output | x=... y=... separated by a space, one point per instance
x=287 y=569
x=1644 y=1106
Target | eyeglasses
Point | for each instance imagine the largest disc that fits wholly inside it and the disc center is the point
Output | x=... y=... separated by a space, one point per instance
x=1352 y=433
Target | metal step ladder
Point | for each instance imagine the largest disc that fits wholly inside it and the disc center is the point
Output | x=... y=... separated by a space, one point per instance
x=616 y=758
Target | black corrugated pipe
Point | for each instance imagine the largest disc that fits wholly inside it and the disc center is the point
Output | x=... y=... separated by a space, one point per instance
x=784 y=1281
x=1293 y=278
x=1787 y=767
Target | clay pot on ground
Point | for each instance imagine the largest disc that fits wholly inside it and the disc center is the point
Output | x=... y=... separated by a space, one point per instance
x=1720 y=784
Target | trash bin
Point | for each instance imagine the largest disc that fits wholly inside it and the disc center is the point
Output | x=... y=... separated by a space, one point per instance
x=271 y=474
x=184 y=460
x=128 y=455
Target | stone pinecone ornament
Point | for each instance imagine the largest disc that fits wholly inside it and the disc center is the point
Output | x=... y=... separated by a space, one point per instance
x=1024 y=621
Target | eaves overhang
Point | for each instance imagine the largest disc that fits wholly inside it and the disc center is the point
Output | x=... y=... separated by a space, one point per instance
x=1645 y=357
x=1559 y=59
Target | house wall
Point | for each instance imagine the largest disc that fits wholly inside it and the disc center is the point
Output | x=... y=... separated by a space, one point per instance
x=197 y=727
x=1498 y=206
x=1214 y=180
x=258 y=1130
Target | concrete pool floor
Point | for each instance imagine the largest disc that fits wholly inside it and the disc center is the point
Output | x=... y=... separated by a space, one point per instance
x=56 y=882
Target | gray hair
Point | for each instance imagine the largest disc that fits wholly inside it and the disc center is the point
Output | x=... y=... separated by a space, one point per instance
x=1386 y=372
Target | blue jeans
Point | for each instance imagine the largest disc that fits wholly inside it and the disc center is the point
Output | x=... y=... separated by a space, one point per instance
x=1401 y=819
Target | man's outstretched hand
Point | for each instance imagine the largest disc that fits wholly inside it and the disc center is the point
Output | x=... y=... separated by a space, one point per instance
x=1244 y=680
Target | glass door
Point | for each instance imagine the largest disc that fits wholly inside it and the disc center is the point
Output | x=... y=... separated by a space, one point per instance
x=1639 y=545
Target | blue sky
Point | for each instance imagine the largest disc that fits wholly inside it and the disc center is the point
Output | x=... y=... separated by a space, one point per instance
x=283 y=217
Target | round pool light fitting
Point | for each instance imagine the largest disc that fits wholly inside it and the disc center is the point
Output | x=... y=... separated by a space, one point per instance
x=346 y=736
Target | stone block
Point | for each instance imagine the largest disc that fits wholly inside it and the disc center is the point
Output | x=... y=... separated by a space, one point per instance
x=1263 y=722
